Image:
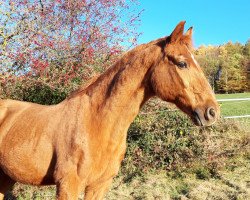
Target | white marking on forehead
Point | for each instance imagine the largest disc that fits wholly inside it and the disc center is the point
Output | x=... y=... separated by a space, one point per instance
x=181 y=57
x=192 y=56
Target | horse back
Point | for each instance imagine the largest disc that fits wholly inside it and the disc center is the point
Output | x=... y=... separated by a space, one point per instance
x=16 y=113
x=10 y=108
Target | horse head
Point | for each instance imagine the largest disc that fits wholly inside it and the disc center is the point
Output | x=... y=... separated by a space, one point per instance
x=179 y=79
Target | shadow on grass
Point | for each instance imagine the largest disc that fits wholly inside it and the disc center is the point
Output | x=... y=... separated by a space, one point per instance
x=9 y=196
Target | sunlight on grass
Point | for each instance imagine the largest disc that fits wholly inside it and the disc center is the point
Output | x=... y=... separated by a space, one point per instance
x=233 y=96
x=235 y=108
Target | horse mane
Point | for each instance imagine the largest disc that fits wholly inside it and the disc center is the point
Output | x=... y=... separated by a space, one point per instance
x=84 y=86
x=161 y=42
x=122 y=59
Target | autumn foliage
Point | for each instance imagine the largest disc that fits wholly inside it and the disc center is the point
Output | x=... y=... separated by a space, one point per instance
x=226 y=66
x=59 y=44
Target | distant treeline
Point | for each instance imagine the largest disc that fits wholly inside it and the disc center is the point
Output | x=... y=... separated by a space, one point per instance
x=226 y=66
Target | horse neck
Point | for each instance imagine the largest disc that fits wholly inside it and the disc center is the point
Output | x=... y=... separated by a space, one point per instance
x=125 y=87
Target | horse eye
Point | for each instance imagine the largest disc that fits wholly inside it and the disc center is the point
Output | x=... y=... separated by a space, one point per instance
x=182 y=64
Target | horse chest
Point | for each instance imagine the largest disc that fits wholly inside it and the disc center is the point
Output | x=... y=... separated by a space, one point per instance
x=106 y=156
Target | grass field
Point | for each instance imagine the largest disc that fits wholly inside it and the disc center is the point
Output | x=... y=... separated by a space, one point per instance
x=234 y=108
x=232 y=96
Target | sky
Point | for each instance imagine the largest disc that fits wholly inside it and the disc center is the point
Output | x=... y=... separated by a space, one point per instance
x=215 y=22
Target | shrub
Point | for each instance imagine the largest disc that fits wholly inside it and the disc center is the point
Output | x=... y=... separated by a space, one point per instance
x=33 y=91
x=202 y=173
x=167 y=140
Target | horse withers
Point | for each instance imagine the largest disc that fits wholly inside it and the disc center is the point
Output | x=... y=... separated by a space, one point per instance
x=79 y=144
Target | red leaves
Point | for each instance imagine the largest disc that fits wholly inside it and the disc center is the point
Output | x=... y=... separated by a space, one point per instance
x=115 y=51
x=58 y=41
x=39 y=65
x=115 y=29
x=90 y=52
x=37 y=43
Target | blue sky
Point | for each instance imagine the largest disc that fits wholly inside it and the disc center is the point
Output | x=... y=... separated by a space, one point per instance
x=215 y=22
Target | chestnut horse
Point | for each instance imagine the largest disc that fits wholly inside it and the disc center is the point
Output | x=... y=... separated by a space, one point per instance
x=79 y=144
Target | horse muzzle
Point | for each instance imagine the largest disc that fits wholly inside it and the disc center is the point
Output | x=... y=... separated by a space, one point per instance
x=205 y=118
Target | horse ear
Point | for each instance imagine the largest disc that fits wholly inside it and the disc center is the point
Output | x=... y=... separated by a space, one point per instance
x=178 y=32
x=189 y=32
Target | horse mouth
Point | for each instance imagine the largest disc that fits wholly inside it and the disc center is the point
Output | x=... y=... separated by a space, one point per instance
x=196 y=119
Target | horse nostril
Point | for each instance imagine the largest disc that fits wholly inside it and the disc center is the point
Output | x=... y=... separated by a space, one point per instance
x=210 y=114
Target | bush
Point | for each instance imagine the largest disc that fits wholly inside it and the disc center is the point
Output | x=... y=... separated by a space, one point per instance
x=202 y=173
x=167 y=140
x=37 y=92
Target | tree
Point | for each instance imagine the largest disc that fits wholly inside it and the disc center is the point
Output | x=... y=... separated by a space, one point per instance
x=211 y=60
x=55 y=42
x=234 y=76
x=225 y=66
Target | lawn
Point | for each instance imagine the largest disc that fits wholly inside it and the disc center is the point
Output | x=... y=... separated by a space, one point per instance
x=234 y=108
x=233 y=96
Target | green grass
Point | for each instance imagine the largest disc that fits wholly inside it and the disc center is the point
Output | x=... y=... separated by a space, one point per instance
x=233 y=96
x=234 y=108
